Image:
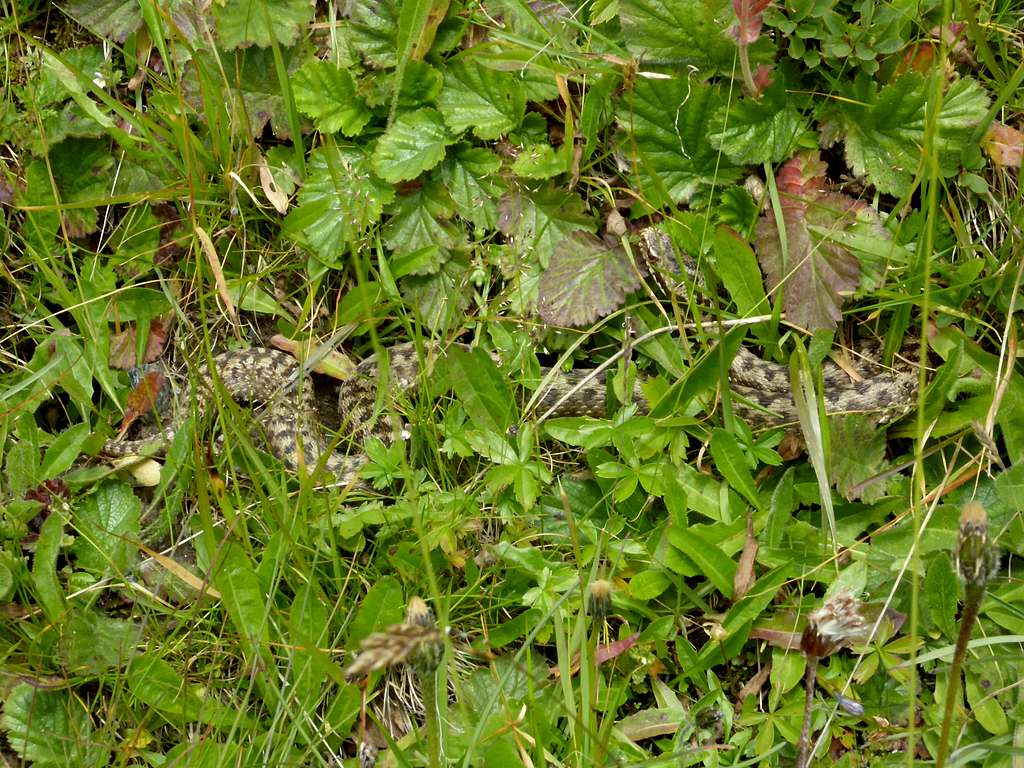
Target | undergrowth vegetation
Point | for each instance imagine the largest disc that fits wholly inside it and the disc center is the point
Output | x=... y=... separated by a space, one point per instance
x=646 y=189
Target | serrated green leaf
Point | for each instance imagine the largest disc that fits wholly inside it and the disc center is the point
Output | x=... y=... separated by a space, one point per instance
x=374 y=30
x=340 y=199
x=679 y=32
x=537 y=221
x=412 y=144
x=470 y=176
x=327 y=93
x=752 y=132
x=111 y=19
x=858 y=453
x=665 y=125
x=92 y=642
x=886 y=130
x=539 y=161
x=241 y=23
x=108 y=525
x=489 y=102
x=50 y=728
x=586 y=280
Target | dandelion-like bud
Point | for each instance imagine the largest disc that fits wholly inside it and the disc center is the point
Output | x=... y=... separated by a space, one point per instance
x=599 y=599
x=977 y=560
x=837 y=623
x=418 y=642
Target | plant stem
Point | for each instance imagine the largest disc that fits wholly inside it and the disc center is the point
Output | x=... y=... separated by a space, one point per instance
x=972 y=604
x=802 y=754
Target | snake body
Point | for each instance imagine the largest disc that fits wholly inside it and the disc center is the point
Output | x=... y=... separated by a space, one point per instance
x=294 y=434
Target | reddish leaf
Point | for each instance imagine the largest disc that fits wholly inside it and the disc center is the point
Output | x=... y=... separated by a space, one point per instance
x=142 y=399
x=816 y=268
x=122 y=346
x=617 y=648
x=749 y=16
x=1004 y=145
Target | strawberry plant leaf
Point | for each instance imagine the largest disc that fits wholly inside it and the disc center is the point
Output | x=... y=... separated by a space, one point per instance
x=679 y=32
x=327 y=93
x=492 y=103
x=50 y=728
x=340 y=199
x=412 y=144
x=815 y=269
x=421 y=221
x=241 y=23
x=858 y=453
x=111 y=19
x=665 y=124
x=768 y=130
x=470 y=175
x=374 y=31
x=536 y=222
x=884 y=130
x=585 y=281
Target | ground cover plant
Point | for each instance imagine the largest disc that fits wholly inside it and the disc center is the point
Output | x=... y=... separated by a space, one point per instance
x=527 y=194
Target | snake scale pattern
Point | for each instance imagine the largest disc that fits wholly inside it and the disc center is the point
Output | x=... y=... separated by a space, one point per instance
x=294 y=434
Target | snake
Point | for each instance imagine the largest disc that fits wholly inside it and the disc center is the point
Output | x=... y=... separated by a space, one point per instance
x=294 y=433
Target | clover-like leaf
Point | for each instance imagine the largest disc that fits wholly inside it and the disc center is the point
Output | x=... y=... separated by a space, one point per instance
x=665 y=124
x=679 y=32
x=486 y=100
x=885 y=130
x=340 y=199
x=586 y=280
x=815 y=270
x=327 y=93
x=412 y=144
x=241 y=23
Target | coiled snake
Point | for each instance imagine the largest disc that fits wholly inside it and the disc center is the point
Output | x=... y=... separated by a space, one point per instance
x=296 y=438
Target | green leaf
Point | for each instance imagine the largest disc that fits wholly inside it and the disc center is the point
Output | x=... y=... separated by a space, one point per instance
x=382 y=606
x=64 y=450
x=470 y=176
x=327 y=93
x=885 y=130
x=156 y=684
x=858 y=453
x=665 y=125
x=44 y=568
x=340 y=199
x=481 y=388
x=941 y=593
x=490 y=102
x=252 y=91
x=731 y=462
x=243 y=598
x=986 y=709
x=412 y=144
x=91 y=643
x=537 y=221
x=736 y=265
x=108 y=525
x=716 y=566
x=111 y=19
x=647 y=585
x=241 y=23
x=539 y=161
x=679 y=32
x=586 y=280
x=50 y=728
x=374 y=30
x=420 y=223
x=757 y=131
